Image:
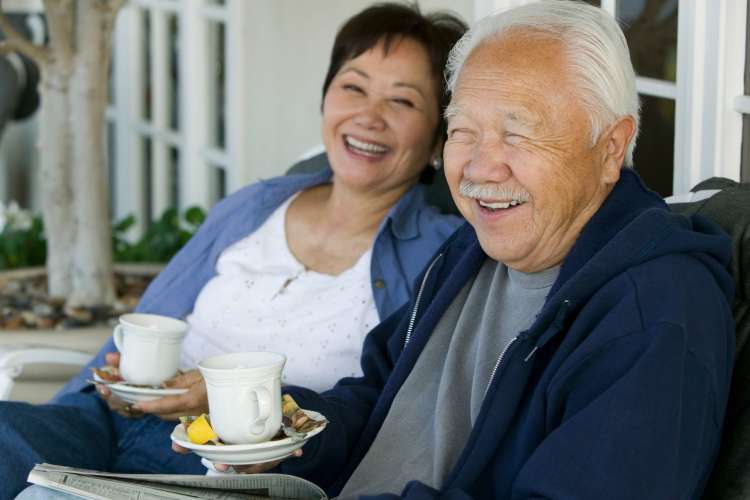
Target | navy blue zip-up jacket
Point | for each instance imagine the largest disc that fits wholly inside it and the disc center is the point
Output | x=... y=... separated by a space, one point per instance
x=616 y=391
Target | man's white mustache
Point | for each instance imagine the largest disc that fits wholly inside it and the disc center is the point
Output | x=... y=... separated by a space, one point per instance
x=492 y=191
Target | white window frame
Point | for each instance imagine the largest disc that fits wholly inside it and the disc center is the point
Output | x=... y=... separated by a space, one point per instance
x=197 y=157
x=708 y=92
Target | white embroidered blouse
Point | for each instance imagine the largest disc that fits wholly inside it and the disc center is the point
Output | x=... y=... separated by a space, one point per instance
x=262 y=298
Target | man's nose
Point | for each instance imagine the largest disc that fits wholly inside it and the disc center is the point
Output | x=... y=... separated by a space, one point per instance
x=488 y=163
x=370 y=116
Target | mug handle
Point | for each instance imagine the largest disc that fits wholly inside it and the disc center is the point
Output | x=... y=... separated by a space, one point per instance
x=263 y=400
x=117 y=337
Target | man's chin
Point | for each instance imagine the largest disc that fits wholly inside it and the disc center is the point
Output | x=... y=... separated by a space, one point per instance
x=501 y=251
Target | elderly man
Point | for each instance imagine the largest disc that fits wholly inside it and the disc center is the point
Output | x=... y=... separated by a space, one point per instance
x=575 y=340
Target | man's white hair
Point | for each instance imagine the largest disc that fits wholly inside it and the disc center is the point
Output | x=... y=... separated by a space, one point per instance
x=595 y=47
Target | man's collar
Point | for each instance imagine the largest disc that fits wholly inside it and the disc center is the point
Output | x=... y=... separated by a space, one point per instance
x=628 y=199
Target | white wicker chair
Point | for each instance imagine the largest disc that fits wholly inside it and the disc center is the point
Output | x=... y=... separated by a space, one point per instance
x=13 y=359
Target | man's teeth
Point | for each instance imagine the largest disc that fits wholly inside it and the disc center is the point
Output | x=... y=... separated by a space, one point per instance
x=366 y=147
x=500 y=204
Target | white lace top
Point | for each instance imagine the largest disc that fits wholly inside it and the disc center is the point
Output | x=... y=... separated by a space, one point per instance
x=262 y=298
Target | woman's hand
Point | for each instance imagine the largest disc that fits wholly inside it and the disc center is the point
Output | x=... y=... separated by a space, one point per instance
x=115 y=404
x=193 y=402
x=242 y=469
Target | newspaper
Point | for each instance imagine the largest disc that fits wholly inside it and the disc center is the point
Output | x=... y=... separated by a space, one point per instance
x=110 y=486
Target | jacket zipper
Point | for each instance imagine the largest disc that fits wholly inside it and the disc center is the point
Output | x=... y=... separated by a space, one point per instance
x=557 y=326
x=419 y=298
x=497 y=364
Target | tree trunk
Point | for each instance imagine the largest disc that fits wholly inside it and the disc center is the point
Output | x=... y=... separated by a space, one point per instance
x=56 y=139
x=92 y=276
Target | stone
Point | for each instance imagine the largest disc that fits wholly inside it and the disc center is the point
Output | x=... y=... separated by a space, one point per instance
x=24 y=303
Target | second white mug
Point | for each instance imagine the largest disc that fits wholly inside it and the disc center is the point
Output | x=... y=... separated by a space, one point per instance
x=244 y=395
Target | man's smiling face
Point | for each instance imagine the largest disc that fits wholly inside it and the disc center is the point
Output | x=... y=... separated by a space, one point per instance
x=519 y=159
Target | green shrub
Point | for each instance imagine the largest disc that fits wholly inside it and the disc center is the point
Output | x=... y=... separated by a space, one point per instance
x=23 y=246
x=162 y=240
x=22 y=241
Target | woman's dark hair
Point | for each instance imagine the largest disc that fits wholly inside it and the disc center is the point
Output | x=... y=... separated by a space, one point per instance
x=389 y=22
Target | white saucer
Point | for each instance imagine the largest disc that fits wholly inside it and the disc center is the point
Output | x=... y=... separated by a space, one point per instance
x=241 y=454
x=133 y=394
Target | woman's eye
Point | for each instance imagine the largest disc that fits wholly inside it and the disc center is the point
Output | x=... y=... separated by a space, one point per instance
x=353 y=88
x=403 y=102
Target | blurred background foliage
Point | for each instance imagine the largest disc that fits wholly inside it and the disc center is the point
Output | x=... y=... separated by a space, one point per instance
x=22 y=241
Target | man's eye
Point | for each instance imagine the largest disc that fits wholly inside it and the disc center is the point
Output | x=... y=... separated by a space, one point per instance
x=457 y=133
x=513 y=137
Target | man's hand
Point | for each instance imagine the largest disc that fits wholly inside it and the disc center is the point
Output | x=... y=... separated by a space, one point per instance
x=193 y=402
x=242 y=469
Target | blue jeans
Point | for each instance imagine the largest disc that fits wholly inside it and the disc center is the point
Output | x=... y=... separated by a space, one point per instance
x=81 y=431
x=41 y=493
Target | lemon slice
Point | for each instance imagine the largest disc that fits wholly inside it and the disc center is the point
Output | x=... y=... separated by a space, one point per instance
x=200 y=431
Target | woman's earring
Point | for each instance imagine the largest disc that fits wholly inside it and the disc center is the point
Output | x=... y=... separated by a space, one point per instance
x=437 y=163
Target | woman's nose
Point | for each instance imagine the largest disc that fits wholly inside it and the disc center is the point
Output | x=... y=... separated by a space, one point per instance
x=370 y=116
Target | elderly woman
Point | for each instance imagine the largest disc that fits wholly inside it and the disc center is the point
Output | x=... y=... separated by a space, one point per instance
x=302 y=264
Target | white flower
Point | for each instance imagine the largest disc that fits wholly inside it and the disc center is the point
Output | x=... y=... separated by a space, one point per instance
x=14 y=217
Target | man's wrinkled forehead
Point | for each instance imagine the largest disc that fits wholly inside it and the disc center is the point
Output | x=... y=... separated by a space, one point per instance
x=519 y=70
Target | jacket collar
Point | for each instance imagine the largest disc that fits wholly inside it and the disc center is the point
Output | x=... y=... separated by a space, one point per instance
x=628 y=199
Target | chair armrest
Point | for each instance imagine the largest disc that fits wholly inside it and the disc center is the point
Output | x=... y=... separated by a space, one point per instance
x=14 y=358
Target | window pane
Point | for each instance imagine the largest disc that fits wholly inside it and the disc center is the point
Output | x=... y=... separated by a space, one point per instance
x=216 y=85
x=174 y=73
x=650 y=27
x=218 y=183
x=148 y=209
x=146 y=48
x=174 y=177
x=654 y=152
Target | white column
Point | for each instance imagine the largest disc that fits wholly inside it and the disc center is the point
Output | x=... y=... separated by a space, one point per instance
x=160 y=174
x=238 y=77
x=194 y=102
x=128 y=106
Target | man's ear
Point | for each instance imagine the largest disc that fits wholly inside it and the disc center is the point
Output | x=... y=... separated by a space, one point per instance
x=616 y=140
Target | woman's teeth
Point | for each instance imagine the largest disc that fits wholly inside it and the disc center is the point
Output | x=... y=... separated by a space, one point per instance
x=496 y=205
x=367 y=148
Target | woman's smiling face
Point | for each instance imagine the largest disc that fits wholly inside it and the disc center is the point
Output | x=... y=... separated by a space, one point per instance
x=379 y=117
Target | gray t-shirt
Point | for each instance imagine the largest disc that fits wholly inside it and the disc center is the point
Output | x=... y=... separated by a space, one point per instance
x=432 y=415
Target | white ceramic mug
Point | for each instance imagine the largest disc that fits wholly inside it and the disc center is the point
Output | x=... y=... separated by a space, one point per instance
x=149 y=346
x=244 y=395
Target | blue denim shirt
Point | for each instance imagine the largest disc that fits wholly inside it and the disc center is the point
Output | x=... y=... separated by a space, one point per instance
x=409 y=234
